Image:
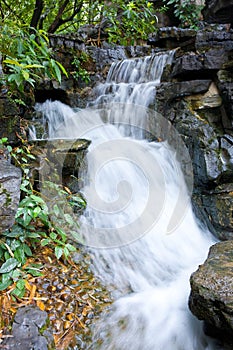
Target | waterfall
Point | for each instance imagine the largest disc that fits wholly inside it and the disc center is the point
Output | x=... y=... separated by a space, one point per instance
x=139 y=226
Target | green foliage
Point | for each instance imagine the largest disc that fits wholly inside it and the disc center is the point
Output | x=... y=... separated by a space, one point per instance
x=80 y=72
x=187 y=12
x=129 y=22
x=29 y=59
x=39 y=221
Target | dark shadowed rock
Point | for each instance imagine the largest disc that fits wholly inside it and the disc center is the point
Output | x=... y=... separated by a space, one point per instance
x=211 y=297
x=170 y=91
x=172 y=37
x=10 y=180
x=218 y=11
x=214 y=37
x=226 y=89
x=218 y=205
x=194 y=66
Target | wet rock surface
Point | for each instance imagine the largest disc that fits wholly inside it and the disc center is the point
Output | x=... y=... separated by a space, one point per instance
x=65 y=158
x=27 y=333
x=211 y=298
x=10 y=180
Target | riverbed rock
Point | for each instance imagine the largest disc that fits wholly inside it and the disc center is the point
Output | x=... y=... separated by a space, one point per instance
x=211 y=297
x=29 y=330
x=10 y=180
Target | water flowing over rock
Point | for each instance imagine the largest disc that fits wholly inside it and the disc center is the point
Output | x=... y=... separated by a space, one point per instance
x=211 y=298
x=10 y=180
x=149 y=277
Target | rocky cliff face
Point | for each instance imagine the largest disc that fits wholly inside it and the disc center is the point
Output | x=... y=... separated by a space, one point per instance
x=196 y=96
x=10 y=180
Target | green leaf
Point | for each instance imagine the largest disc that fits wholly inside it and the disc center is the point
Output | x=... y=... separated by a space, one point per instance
x=57 y=73
x=69 y=219
x=34 y=273
x=45 y=242
x=62 y=68
x=14 y=62
x=26 y=77
x=36 y=212
x=5 y=285
x=15 y=244
x=37 y=199
x=58 y=252
x=18 y=292
x=20 y=284
x=33 y=66
x=7 y=276
x=15 y=274
x=16 y=231
x=9 y=265
x=27 y=250
x=70 y=247
x=66 y=252
x=61 y=233
x=53 y=235
x=20 y=255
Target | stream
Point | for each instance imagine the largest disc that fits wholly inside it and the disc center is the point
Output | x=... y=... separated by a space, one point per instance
x=138 y=225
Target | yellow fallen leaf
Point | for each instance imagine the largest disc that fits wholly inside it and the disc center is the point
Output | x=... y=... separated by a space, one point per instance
x=40 y=305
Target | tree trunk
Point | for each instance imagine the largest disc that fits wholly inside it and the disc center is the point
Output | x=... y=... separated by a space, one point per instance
x=37 y=13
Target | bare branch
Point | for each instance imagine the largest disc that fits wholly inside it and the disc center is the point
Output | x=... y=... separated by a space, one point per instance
x=59 y=21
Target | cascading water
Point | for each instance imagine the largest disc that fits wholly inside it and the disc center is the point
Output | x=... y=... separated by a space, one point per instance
x=133 y=188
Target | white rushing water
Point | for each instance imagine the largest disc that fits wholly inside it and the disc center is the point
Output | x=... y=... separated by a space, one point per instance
x=133 y=188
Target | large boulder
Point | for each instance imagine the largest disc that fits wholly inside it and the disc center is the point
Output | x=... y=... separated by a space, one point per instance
x=211 y=297
x=10 y=180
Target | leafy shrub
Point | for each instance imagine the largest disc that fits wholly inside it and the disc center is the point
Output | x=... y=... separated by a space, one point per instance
x=37 y=222
x=187 y=12
x=80 y=72
x=129 y=22
x=28 y=59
